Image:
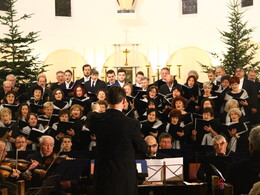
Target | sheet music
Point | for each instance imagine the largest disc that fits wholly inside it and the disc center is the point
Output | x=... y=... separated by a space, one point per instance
x=139 y=167
x=174 y=169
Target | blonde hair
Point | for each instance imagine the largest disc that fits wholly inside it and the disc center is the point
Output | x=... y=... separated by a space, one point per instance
x=48 y=104
x=236 y=111
x=5 y=110
x=229 y=103
x=207 y=84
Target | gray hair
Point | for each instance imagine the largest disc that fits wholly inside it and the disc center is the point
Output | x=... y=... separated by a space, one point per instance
x=218 y=137
x=10 y=75
x=145 y=78
x=193 y=72
x=254 y=138
x=42 y=138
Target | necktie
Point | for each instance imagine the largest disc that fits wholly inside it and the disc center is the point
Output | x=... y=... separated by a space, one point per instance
x=93 y=84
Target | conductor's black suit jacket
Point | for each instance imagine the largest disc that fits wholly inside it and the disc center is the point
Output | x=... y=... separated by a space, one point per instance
x=118 y=139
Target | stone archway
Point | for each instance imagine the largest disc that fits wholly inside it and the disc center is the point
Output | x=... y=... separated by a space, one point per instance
x=189 y=58
x=63 y=59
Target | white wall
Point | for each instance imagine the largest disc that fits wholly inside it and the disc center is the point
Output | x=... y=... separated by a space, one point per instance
x=159 y=28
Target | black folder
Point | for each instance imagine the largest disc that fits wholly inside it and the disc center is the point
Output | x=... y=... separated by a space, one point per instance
x=62 y=127
x=35 y=134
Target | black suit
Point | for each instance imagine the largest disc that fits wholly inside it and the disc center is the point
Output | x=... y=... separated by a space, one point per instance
x=118 y=139
x=58 y=86
x=99 y=84
x=44 y=163
x=243 y=174
x=164 y=89
x=159 y=82
x=250 y=88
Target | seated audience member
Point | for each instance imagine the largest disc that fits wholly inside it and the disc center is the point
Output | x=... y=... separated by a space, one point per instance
x=4 y=183
x=152 y=152
x=243 y=174
x=175 y=129
x=236 y=132
x=204 y=133
x=150 y=126
x=11 y=128
x=165 y=141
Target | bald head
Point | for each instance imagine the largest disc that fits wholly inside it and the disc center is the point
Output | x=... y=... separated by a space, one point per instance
x=152 y=145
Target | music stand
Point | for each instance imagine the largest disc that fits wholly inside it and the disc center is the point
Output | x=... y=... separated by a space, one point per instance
x=48 y=184
x=165 y=170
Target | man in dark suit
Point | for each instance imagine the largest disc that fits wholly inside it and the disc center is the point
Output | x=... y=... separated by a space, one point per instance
x=243 y=174
x=39 y=159
x=111 y=76
x=60 y=81
x=152 y=152
x=250 y=88
x=167 y=88
x=118 y=138
x=94 y=84
x=87 y=72
x=164 y=72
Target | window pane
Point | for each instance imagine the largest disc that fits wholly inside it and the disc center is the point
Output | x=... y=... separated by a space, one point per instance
x=3 y=5
x=63 y=8
x=246 y=3
x=189 y=6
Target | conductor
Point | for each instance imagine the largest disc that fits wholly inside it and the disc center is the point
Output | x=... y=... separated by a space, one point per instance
x=118 y=139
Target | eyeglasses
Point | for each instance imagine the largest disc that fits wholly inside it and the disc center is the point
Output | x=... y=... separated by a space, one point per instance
x=152 y=146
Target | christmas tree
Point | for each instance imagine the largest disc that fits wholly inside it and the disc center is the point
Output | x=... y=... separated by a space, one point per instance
x=17 y=57
x=240 y=50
